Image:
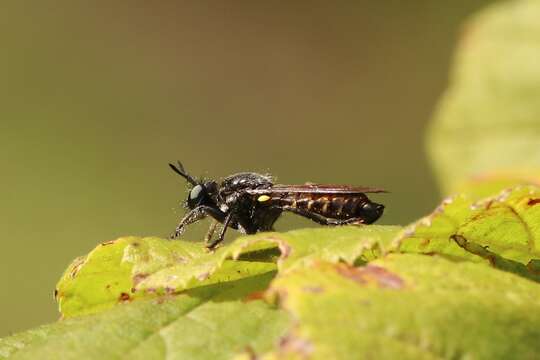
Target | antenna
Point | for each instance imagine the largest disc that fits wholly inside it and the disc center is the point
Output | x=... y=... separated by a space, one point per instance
x=180 y=171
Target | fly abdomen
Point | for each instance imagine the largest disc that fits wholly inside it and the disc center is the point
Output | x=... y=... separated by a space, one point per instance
x=330 y=206
x=344 y=207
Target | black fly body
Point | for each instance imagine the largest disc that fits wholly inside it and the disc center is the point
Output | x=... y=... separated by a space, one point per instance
x=251 y=202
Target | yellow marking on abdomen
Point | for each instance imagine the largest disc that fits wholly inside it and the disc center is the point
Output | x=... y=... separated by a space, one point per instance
x=263 y=198
x=325 y=207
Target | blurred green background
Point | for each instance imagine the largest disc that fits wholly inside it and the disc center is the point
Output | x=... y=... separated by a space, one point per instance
x=97 y=97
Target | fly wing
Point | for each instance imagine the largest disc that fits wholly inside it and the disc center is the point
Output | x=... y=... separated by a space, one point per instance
x=316 y=189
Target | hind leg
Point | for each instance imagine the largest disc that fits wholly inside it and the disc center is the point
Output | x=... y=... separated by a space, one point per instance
x=322 y=219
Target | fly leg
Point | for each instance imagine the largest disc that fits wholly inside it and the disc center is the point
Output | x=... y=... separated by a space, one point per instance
x=322 y=219
x=210 y=232
x=221 y=236
x=195 y=215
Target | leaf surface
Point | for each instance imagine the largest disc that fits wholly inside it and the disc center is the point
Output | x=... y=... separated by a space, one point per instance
x=408 y=306
x=504 y=230
x=134 y=268
x=205 y=323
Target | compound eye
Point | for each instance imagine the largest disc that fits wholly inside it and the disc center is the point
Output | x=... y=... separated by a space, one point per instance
x=195 y=192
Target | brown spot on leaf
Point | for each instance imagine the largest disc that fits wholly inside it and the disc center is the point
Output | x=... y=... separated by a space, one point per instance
x=170 y=290
x=135 y=244
x=108 y=243
x=108 y=286
x=371 y=274
x=137 y=278
x=425 y=242
x=56 y=293
x=533 y=202
x=256 y=295
x=124 y=297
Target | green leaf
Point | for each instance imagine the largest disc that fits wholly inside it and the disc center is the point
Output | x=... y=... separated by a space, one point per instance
x=204 y=323
x=485 y=133
x=407 y=306
x=503 y=230
x=134 y=268
x=110 y=273
x=296 y=248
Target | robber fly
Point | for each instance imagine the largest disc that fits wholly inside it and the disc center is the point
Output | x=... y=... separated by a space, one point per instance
x=251 y=202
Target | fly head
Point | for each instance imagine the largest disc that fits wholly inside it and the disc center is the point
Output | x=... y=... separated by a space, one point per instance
x=202 y=193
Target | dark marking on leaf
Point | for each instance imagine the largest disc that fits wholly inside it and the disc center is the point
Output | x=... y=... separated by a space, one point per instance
x=137 y=278
x=256 y=295
x=135 y=244
x=108 y=243
x=170 y=290
x=124 y=297
x=108 y=286
x=56 y=293
x=425 y=242
x=533 y=202
x=371 y=274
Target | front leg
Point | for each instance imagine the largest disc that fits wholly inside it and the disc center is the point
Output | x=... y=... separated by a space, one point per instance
x=195 y=215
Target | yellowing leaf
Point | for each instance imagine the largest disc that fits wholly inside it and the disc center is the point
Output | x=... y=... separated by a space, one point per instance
x=132 y=268
x=408 y=307
x=504 y=230
x=296 y=248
